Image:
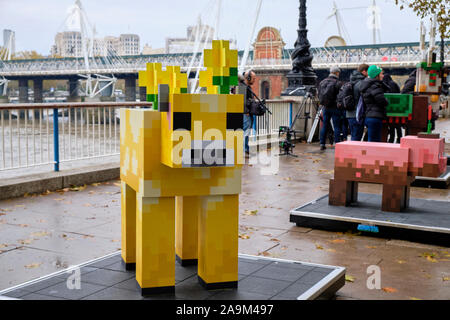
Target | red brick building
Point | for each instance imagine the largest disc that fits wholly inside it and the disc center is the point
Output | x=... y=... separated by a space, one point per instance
x=267 y=50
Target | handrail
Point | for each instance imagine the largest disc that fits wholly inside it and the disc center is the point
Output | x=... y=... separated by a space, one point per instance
x=7 y=106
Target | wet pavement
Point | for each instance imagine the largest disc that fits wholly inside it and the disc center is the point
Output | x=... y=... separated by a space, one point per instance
x=41 y=234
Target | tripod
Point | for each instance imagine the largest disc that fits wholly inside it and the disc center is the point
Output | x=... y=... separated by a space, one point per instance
x=309 y=101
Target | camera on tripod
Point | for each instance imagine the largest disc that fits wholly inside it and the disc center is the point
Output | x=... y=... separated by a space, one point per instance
x=286 y=145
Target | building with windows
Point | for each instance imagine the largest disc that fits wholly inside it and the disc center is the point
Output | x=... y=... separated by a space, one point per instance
x=129 y=44
x=69 y=44
x=268 y=50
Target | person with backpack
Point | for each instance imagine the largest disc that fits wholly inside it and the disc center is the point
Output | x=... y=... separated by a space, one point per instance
x=392 y=87
x=328 y=91
x=348 y=98
x=372 y=92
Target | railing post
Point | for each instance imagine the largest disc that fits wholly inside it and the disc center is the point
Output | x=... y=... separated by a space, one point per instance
x=290 y=114
x=56 y=138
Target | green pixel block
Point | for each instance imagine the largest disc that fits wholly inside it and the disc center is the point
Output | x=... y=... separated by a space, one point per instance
x=434 y=66
x=224 y=89
x=400 y=105
x=233 y=72
x=184 y=90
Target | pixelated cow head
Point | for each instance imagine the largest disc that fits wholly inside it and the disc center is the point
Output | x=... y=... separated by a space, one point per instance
x=426 y=155
x=201 y=130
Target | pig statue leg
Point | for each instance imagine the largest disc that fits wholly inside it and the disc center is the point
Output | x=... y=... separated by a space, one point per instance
x=342 y=192
x=395 y=197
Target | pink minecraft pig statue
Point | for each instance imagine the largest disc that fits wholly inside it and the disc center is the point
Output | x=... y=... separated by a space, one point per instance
x=394 y=166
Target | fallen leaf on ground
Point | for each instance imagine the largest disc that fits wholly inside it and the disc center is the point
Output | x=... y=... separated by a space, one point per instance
x=319 y=247
x=331 y=250
x=275 y=240
x=445 y=278
x=284 y=248
x=27 y=241
x=389 y=289
x=371 y=247
x=2 y=245
x=115 y=240
x=338 y=241
x=250 y=212
x=23 y=225
x=401 y=261
x=78 y=188
x=431 y=259
x=32 y=265
x=19 y=205
x=40 y=234
x=349 y=278
x=95 y=184
x=58 y=199
x=288 y=179
x=244 y=236
x=2 y=214
x=414 y=298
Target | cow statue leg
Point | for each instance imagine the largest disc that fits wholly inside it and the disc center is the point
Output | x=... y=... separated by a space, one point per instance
x=218 y=241
x=342 y=192
x=128 y=224
x=186 y=239
x=155 y=244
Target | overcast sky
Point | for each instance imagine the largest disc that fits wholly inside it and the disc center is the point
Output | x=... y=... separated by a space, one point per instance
x=37 y=21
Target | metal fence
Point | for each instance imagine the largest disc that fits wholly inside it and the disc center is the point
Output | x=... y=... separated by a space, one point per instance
x=270 y=123
x=41 y=134
x=46 y=133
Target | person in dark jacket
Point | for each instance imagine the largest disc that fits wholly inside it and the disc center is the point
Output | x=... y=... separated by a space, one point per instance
x=373 y=95
x=391 y=84
x=330 y=110
x=410 y=83
x=356 y=129
x=392 y=87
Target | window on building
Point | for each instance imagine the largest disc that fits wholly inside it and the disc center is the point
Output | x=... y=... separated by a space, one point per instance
x=265 y=90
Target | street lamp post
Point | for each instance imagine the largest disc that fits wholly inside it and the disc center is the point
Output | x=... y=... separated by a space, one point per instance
x=302 y=78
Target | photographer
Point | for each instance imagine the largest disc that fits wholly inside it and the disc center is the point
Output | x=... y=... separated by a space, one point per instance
x=245 y=83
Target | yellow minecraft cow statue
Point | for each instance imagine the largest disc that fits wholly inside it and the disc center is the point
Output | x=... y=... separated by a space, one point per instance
x=180 y=168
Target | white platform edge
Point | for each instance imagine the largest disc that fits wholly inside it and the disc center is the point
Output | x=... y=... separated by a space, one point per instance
x=311 y=294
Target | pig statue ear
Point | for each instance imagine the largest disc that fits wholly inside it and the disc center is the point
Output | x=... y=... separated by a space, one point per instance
x=163 y=98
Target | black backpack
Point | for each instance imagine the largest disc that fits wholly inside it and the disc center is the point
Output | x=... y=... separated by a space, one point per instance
x=345 y=98
x=327 y=92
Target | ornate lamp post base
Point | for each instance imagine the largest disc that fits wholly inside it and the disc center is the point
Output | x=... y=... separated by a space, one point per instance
x=302 y=79
x=299 y=84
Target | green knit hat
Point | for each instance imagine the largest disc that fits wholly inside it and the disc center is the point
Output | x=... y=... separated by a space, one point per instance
x=374 y=71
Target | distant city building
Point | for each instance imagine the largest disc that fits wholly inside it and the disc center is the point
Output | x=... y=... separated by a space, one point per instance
x=149 y=50
x=9 y=40
x=69 y=44
x=267 y=50
x=268 y=44
x=200 y=31
x=129 y=45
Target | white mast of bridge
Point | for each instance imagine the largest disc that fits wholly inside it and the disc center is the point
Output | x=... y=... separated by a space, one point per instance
x=94 y=83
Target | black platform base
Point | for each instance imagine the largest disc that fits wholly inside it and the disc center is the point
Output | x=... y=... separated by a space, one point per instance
x=441 y=182
x=260 y=278
x=425 y=221
x=129 y=266
x=186 y=262
x=156 y=290
x=217 y=285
